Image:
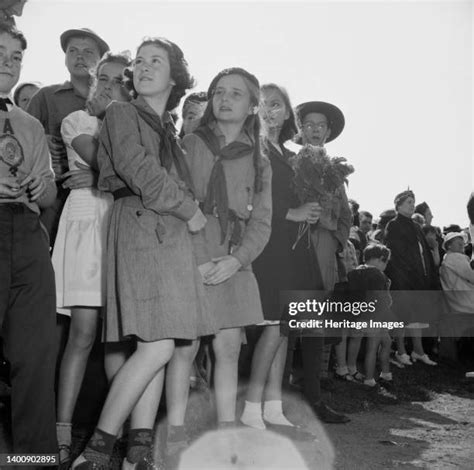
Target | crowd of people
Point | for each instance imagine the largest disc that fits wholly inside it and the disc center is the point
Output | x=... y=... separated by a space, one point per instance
x=110 y=216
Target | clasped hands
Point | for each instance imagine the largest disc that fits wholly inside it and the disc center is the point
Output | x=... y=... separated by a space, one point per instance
x=219 y=269
x=83 y=177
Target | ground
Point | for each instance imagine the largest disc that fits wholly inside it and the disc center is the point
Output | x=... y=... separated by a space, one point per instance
x=426 y=421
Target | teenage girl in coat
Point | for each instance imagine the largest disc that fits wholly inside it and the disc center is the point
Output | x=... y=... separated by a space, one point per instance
x=154 y=290
x=232 y=182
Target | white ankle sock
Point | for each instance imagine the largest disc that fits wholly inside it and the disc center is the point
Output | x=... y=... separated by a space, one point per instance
x=386 y=375
x=63 y=433
x=342 y=370
x=273 y=413
x=252 y=415
x=370 y=382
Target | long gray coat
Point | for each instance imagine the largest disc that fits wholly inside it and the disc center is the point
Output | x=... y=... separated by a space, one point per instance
x=154 y=289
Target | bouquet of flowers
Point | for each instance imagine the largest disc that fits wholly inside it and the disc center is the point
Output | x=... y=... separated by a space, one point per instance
x=318 y=178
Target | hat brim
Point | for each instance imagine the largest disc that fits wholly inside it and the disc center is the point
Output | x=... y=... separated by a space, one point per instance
x=333 y=114
x=103 y=46
x=453 y=237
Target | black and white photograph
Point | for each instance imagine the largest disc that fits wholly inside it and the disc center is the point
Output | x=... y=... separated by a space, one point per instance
x=236 y=234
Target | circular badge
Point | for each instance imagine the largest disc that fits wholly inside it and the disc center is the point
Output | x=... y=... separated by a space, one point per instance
x=11 y=152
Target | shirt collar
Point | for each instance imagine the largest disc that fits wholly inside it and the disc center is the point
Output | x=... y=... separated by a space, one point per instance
x=10 y=97
x=67 y=86
x=167 y=119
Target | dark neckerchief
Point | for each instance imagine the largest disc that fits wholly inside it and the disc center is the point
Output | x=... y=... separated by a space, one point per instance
x=216 y=196
x=170 y=151
x=4 y=102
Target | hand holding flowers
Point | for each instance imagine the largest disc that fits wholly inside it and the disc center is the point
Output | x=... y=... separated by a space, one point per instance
x=318 y=177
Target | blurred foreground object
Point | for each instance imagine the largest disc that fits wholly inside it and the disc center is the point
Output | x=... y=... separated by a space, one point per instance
x=8 y=8
x=242 y=448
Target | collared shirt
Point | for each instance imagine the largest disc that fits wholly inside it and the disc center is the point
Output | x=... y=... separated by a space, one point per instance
x=51 y=104
x=10 y=97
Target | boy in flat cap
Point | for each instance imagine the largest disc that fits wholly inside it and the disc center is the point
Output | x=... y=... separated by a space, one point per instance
x=83 y=49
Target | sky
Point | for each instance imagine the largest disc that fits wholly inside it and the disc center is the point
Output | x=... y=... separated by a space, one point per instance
x=401 y=72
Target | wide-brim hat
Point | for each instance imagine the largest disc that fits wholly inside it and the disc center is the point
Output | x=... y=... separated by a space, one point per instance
x=102 y=45
x=333 y=114
x=451 y=235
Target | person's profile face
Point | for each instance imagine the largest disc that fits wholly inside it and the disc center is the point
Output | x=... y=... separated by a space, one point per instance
x=193 y=115
x=456 y=245
x=273 y=112
x=365 y=223
x=428 y=216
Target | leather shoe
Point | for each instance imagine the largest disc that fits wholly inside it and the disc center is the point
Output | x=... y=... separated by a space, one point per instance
x=328 y=415
x=293 y=432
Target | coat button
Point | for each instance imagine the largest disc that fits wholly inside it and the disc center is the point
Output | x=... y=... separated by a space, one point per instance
x=139 y=213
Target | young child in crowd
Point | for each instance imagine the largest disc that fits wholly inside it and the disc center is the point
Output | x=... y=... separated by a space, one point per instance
x=193 y=109
x=368 y=283
x=24 y=92
x=154 y=289
x=79 y=255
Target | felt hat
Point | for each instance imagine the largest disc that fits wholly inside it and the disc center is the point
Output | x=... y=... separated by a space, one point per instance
x=451 y=235
x=101 y=44
x=333 y=114
x=401 y=197
x=421 y=208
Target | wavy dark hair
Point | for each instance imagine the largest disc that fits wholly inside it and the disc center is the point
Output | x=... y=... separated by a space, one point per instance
x=252 y=122
x=289 y=129
x=179 y=70
x=11 y=30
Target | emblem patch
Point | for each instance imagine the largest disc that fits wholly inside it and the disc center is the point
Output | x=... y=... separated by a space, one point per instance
x=11 y=153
